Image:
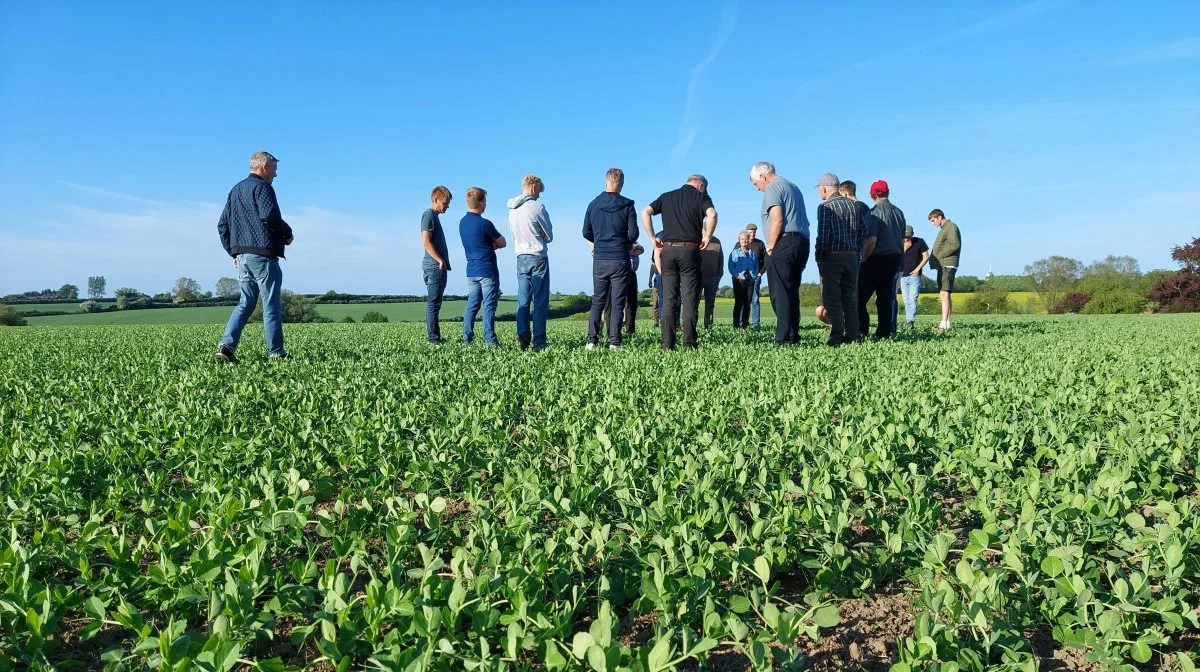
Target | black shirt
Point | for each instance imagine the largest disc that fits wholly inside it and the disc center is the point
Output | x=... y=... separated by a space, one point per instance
x=682 y=213
x=912 y=257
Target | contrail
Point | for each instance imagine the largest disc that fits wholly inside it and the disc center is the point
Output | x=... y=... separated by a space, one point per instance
x=689 y=129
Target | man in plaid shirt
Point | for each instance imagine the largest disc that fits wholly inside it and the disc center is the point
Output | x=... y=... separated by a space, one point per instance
x=839 y=239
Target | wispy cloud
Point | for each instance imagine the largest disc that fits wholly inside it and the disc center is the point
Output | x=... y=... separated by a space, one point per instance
x=690 y=127
x=987 y=25
x=1185 y=49
x=105 y=193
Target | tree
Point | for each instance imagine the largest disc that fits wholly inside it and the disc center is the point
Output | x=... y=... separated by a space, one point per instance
x=1009 y=283
x=68 y=292
x=131 y=299
x=227 y=288
x=966 y=283
x=9 y=317
x=96 y=285
x=988 y=299
x=1180 y=292
x=725 y=292
x=1123 y=265
x=186 y=289
x=296 y=308
x=374 y=317
x=1052 y=277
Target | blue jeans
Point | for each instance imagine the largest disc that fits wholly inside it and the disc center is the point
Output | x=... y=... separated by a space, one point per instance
x=258 y=275
x=435 y=288
x=755 y=311
x=911 y=287
x=485 y=291
x=533 y=285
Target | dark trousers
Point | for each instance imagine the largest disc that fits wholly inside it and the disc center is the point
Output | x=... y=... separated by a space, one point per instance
x=784 y=267
x=681 y=285
x=708 y=289
x=839 y=295
x=743 y=294
x=631 y=306
x=610 y=280
x=877 y=276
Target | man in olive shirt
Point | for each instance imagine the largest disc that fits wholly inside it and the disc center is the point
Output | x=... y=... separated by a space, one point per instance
x=944 y=259
x=689 y=219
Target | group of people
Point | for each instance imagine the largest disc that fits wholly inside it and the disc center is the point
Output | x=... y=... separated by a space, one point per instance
x=860 y=250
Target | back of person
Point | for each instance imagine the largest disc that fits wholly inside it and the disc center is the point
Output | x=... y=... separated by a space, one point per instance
x=612 y=222
x=477 y=234
x=712 y=262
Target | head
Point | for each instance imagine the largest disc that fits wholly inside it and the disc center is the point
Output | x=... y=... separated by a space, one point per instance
x=745 y=238
x=828 y=185
x=476 y=200
x=762 y=174
x=848 y=189
x=908 y=232
x=879 y=190
x=531 y=185
x=698 y=181
x=614 y=180
x=752 y=229
x=440 y=199
x=264 y=165
x=937 y=217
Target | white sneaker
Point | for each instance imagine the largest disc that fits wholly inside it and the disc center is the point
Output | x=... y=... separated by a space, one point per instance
x=590 y=346
x=614 y=347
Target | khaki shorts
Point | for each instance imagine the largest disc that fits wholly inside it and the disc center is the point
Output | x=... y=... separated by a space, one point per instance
x=945 y=278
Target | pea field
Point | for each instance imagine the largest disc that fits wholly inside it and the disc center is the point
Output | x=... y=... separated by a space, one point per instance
x=1017 y=494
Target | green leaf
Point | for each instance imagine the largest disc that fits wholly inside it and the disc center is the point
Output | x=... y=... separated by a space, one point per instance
x=827 y=616
x=1135 y=520
x=1052 y=565
x=438 y=504
x=739 y=604
x=660 y=654
x=580 y=644
x=762 y=567
x=1140 y=652
x=597 y=659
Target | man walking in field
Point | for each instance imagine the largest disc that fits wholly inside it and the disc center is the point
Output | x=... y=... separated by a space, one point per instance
x=944 y=259
x=787 y=228
x=531 y=231
x=689 y=219
x=253 y=232
x=760 y=251
x=436 y=262
x=881 y=262
x=480 y=241
x=610 y=224
x=839 y=241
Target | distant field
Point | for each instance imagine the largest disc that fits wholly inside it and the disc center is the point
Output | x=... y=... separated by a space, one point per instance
x=1025 y=302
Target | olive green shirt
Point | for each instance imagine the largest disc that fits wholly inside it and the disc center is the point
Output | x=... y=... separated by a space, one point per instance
x=947 y=245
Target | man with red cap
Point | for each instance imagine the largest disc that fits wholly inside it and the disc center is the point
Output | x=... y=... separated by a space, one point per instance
x=880 y=268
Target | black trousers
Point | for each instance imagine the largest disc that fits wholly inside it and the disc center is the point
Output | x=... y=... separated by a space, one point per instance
x=839 y=295
x=631 y=306
x=784 y=267
x=610 y=280
x=877 y=276
x=681 y=285
x=709 y=288
x=743 y=294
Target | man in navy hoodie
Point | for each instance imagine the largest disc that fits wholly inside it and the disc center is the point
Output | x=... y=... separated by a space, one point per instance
x=610 y=224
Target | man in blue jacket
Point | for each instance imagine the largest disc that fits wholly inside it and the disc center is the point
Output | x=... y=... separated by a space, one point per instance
x=253 y=232
x=610 y=224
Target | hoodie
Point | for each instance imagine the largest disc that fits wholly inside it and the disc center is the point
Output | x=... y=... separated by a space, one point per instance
x=611 y=224
x=530 y=225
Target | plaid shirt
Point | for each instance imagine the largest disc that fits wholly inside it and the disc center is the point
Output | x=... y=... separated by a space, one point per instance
x=839 y=226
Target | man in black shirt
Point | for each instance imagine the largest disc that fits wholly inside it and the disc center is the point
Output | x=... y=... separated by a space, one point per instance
x=689 y=219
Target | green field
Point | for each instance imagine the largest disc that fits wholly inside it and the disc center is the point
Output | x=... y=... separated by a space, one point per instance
x=1018 y=493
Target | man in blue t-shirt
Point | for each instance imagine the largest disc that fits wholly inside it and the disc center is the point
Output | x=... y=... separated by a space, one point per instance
x=480 y=241
x=436 y=261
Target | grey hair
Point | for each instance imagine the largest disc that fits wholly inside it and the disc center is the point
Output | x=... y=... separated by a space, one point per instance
x=261 y=159
x=697 y=177
x=762 y=168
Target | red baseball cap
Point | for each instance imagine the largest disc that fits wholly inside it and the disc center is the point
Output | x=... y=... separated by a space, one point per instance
x=879 y=187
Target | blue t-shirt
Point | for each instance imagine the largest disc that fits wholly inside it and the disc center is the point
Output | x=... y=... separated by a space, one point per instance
x=478 y=235
x=432 y=223
x=787 y=196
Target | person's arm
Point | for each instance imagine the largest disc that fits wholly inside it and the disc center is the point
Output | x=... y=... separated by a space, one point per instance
x=733 y=261
x=710 y=225
x=648 y=214
x=954 y=241
x=924 y=258
x=776 y=232
x=223 y=230
x=824 y=226
x=631 y=229
x=498 y=240
x=868 y=248
x=427 y=241
x=268 y=212
x=588 y=234
x=543 y=220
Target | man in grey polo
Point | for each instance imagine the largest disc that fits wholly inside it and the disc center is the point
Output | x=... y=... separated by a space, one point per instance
x=786 y=223
x=881 y=262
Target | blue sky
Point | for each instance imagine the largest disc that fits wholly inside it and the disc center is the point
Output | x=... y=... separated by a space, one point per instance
x=1045 y=127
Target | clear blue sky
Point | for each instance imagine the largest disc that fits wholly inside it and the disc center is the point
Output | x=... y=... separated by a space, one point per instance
x=1047 y=127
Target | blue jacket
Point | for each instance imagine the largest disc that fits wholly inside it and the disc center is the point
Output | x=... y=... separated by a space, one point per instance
x=251 y=222
x=743 y=263
x=611 y=224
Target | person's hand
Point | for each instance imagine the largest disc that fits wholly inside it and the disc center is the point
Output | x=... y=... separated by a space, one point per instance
x=916 y=273
x=235 y=262
x=289 y=240
x=658 y=242
x=441 y=264
x=769 y=250
x=704 y=242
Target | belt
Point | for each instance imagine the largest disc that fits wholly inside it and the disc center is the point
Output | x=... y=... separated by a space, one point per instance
x=680 y=243
x=791 y=233
x=843 y=252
